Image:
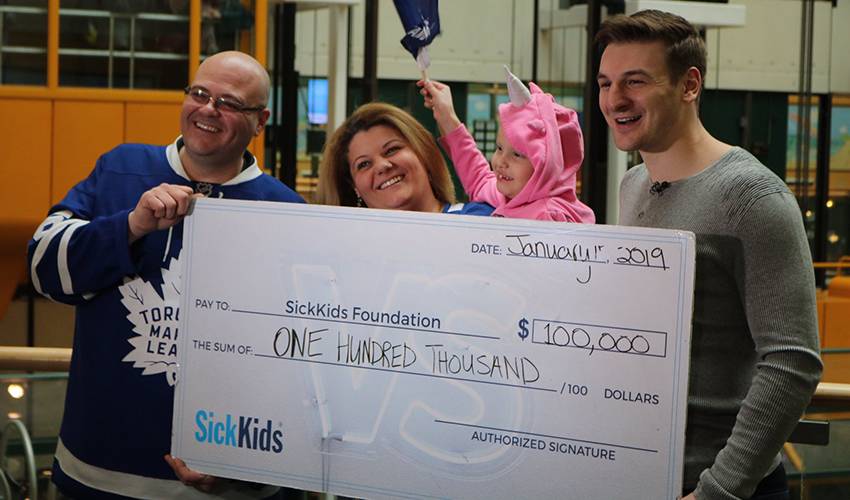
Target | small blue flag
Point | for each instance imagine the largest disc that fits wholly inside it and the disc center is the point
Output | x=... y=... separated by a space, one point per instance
x=421 y=21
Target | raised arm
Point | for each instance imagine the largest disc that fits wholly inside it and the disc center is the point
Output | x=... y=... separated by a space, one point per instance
x=438 y=98
x=471 y=165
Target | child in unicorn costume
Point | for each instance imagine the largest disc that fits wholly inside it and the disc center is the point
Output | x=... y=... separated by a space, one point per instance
x=539 y=152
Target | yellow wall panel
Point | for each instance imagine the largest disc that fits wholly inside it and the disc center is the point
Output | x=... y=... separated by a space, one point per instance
x=24 y=158
x=256 y=147
x=150 y=123
x=83 y=131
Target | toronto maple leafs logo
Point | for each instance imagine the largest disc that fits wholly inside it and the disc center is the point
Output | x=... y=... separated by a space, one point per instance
x=421 y=32
x=156 y=319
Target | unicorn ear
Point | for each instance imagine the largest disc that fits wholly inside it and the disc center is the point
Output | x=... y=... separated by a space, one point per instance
x=518 y=93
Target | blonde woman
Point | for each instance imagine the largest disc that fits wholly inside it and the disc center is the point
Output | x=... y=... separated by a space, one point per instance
x=381 y=157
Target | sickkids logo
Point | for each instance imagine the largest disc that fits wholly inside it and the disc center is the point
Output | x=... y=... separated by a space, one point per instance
x=238 y=432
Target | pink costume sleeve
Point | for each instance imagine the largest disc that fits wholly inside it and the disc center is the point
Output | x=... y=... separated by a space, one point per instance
x=557 y=216
x=472 y=167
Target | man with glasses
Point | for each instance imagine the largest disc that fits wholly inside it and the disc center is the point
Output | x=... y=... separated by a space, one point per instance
x=112 y=247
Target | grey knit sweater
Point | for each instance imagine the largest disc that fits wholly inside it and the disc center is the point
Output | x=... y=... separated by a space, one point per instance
x=754 y=346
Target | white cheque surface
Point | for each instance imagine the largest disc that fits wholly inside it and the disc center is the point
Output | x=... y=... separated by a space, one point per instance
x=387 y=354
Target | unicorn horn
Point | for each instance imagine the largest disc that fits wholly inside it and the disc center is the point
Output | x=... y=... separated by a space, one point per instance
x=517 y=91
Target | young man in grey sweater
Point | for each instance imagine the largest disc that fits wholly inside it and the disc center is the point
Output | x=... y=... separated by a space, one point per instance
x=754 y=347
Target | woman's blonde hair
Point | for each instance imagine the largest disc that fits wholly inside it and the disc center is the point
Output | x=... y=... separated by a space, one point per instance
x=336 y=187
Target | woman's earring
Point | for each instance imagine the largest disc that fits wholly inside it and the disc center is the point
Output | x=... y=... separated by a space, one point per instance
x=360 y=202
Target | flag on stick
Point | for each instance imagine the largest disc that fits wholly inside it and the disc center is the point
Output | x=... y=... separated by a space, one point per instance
x=421 y=22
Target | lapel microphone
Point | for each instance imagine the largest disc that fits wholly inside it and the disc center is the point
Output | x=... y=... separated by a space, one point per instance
x=657 y=188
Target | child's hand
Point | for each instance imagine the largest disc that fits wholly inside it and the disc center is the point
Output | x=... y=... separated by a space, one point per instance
x=438 y=98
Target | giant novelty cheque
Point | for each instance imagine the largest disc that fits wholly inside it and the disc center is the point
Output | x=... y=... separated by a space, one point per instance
x=390 y=354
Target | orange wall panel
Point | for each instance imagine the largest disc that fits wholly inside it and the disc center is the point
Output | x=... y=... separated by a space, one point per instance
x=836 y=322
x=82 y=132
x=836 y=368
x=25 y=194
x=151 y=123
x=25 y=158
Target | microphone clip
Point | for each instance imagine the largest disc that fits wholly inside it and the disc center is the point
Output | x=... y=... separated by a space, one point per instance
x=657 y=188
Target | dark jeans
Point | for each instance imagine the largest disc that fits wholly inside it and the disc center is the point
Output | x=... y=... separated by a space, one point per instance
x=774 y=486
x=283 y=494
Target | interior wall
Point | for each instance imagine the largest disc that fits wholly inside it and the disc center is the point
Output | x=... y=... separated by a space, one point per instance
x=479 y=36
x=765 y=53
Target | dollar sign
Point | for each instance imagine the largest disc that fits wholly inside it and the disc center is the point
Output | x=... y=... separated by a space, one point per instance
x=523 y=331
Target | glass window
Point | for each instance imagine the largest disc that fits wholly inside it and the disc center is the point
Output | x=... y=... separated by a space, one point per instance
x=801 y=161
x=317 y=101
x=482 y=114
x=312 y=109
x=838 y=203
x=23 y=42
x=226 y=25
x=124 y=44
x=801 y=178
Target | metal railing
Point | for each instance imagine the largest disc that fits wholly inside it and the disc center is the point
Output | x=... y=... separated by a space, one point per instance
x=56 y=359
x=29 y=457
x=48 y=359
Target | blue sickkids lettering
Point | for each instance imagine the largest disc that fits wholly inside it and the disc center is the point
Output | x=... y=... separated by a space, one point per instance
x=238 y=432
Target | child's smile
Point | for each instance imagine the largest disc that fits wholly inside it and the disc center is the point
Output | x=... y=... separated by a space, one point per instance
x=511 y=167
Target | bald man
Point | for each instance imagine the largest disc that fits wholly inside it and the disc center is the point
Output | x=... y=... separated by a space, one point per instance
x=112 y=248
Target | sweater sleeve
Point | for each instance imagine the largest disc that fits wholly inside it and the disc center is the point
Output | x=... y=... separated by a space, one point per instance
x=778 y=290
x=73 y=254
x=472 y=167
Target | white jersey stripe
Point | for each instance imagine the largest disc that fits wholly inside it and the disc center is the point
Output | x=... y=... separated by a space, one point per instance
x=168 y=243
x=44 y=237
x=62 y=257
x=51 y=219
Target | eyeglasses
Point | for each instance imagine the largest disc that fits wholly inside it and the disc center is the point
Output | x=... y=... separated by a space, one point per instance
x=202 y=97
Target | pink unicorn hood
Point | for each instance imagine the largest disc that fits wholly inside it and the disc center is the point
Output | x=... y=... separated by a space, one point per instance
x=549 y=135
